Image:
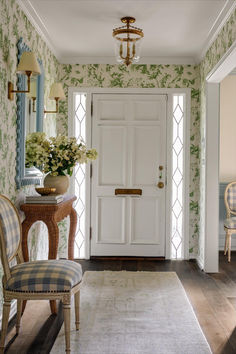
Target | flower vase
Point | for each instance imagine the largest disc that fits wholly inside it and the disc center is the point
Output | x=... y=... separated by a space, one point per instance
x=61 y=183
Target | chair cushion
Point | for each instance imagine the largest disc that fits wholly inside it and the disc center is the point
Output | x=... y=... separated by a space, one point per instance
x=45 y=276
x=230 y=223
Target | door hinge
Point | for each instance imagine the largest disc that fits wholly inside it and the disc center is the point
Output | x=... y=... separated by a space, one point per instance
x=91 y=171
x=90 y=233
x=91 y=108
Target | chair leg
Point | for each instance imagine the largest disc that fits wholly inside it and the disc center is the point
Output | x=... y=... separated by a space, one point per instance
x=77 y=300
x=66 y=312
x=226 y=242
x=5 y=318
x=229 y=247
x=18 y=316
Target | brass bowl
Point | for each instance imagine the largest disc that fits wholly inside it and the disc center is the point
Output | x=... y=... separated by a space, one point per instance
x=45 y=190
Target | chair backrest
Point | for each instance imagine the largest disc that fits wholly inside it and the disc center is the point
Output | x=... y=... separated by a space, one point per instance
x=10 y=233
x=230 y=198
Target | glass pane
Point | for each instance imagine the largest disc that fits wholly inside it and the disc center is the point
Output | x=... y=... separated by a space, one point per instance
x=80 y=134
x=177 y=178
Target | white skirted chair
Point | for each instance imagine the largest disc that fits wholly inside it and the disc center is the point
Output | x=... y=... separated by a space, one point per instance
x=37 y=280
x=230 y=221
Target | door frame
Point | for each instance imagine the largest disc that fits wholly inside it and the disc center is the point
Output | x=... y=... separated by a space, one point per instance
x=89 y=91
x=210 y=261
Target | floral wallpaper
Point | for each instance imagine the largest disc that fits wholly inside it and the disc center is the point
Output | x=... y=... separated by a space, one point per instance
x=224 y=40
x=13 y=25
x=146 y=76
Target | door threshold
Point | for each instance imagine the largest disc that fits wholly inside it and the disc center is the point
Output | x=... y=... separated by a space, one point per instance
x=127 y=258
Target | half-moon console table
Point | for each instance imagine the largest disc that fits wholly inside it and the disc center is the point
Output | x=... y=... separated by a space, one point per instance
x=50 y=214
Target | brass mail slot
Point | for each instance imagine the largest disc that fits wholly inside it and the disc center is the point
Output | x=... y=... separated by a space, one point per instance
x=128 y=191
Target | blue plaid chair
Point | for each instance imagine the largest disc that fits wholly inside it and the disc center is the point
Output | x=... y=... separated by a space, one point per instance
x=230 y=221
x=39 y=280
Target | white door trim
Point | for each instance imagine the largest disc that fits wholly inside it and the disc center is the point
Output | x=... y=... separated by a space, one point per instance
x=170 y=92
x=211 y=242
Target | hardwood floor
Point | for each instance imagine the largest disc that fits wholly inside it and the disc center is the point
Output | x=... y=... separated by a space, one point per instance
x=213 y=297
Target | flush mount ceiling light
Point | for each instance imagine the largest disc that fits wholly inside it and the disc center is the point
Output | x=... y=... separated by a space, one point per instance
x=127 y=41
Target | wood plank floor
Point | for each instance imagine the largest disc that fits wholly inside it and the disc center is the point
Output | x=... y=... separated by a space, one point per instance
x=213 y=297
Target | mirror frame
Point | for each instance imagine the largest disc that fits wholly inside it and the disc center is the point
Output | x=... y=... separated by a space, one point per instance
x=22 y=178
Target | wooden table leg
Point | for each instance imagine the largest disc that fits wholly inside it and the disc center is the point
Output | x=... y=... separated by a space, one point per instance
x=71 y=239
x=53 y=240
x=26 y=225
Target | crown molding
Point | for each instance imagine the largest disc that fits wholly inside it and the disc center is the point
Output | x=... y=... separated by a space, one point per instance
x=222 y=18
x=38 y=24
x=112 y=60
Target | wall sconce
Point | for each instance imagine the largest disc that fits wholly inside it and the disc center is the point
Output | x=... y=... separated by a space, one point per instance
x=32 y=94
x=28 y=65
x=56 y=93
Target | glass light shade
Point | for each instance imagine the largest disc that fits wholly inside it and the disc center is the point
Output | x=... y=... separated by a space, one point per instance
x=121 y=51
x=28 y=62
x=57 y=91
x=33 y=91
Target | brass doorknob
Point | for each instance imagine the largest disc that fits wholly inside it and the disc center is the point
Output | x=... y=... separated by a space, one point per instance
x=160 y=185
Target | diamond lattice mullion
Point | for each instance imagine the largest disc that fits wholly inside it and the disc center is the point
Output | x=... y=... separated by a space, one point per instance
x=177 y=176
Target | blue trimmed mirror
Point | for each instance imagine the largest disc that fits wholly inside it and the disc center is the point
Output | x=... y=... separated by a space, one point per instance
x=28 y=121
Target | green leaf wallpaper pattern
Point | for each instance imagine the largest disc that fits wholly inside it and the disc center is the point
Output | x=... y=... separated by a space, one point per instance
x=145 y=76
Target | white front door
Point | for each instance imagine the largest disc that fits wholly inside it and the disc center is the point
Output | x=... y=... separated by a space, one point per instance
x=129 y=133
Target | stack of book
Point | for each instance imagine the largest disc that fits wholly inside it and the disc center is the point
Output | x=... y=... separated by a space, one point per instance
x=44 y=199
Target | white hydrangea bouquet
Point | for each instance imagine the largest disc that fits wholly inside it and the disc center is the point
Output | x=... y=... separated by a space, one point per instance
x=56 y=156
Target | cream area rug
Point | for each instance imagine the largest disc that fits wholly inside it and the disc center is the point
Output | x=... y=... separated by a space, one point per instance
x=134 y=313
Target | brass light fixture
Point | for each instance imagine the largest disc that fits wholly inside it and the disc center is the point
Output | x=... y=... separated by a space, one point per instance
x=127 y=41
x=56 y=93
x=28 y=65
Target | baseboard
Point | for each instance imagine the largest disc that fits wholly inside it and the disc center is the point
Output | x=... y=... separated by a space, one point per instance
x=127 y=258
x=200 y=263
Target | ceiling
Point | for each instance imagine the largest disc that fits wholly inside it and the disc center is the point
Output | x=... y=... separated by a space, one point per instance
x=178 y=31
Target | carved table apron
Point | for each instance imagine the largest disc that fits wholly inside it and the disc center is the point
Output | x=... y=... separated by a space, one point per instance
x=50 y=214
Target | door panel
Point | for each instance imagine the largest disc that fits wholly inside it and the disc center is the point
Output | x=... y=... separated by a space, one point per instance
x=129 y=132
x=145 y=229
x=115 y=139
x=111 y=109
x=111 y=220
x=146 y=154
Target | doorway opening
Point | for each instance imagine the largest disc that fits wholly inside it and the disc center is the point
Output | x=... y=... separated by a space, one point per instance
x=176 y=175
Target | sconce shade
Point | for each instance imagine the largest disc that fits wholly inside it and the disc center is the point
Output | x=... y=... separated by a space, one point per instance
x=28 y=62
x=57 y=91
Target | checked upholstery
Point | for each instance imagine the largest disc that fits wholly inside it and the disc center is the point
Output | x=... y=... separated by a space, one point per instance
x=10 y=227
x=45 y=276
x=230 y=223
x=231 y=197
x=39 y=280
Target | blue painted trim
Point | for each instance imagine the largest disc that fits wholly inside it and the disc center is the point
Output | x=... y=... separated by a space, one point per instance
x=21 y=178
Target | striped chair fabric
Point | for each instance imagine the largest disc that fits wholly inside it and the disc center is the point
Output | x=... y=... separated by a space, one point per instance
x=10 y=227
x=45 y=276
x=231 y=197
x=230 y=223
